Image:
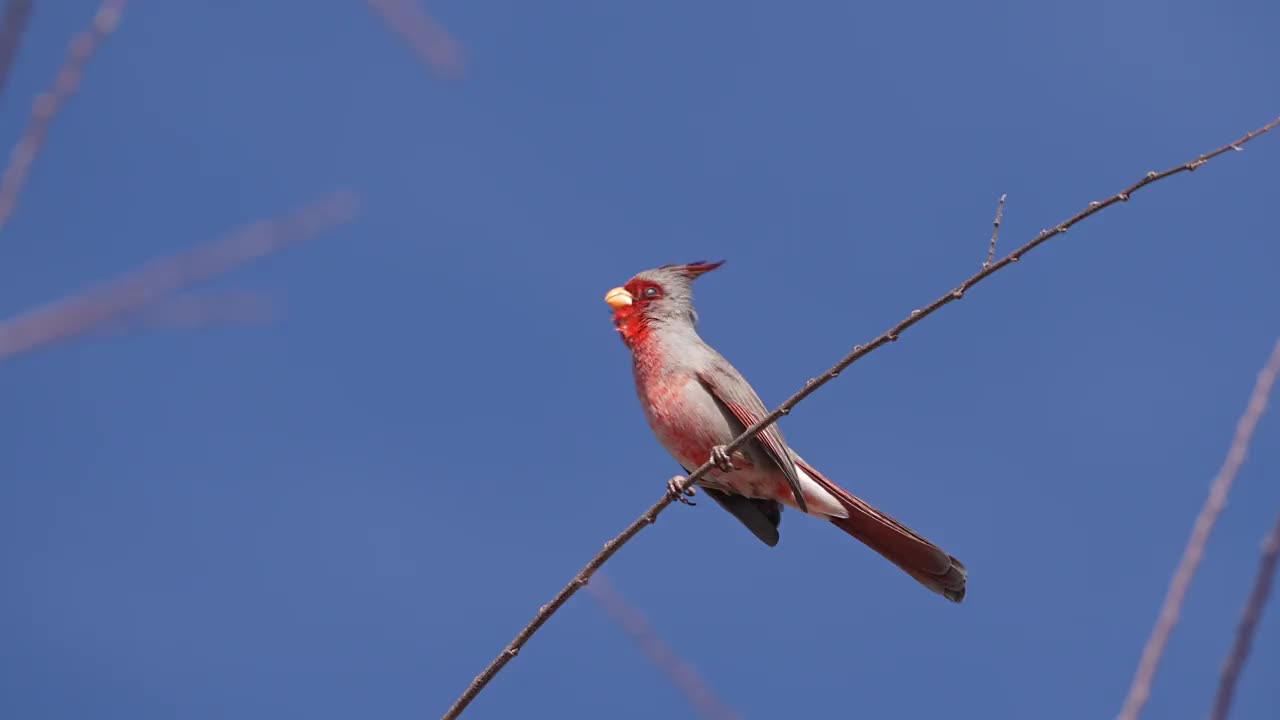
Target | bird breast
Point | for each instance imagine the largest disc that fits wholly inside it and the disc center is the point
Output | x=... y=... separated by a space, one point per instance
x=683 y=416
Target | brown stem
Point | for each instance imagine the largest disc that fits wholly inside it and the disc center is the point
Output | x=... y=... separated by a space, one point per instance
x=1140 y=690
x=995 y=231
x=193 y=311
x=75 y=315
x=429 y=40
x=48 y=103
x=682 y=674
x=1248 y=624
x=12 y=26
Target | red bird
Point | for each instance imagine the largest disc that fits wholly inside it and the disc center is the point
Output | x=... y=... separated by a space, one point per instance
x=696 y=403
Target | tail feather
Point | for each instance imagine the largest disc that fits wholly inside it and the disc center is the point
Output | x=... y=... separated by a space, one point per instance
x=929 y=564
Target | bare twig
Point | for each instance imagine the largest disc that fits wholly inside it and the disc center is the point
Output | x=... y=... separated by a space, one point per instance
x=995 y=231
x=73 y=316
x=191 y=311
x=47 y=104
x=1248 y=623
x=12 y=27
x=681 y=673
x=1140 y=690
x=428 y=38
x=650 y=516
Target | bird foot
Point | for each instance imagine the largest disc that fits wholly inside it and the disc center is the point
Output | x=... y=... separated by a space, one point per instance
x=673 y=489
x=720 y=456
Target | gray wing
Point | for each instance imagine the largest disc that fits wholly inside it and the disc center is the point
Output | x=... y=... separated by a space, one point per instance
x=734 y=394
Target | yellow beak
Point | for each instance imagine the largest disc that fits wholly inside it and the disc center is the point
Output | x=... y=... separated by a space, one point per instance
x=618 y=298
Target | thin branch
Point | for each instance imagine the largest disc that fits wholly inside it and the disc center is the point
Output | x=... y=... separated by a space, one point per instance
x=995 y=231
x=192 y=311
x=1140 y=690
x=650 y=516
x=682 y=674
x=433 y=45
x=48 y=103
x=1248 y=623
x=12 y=27
x=85 y=311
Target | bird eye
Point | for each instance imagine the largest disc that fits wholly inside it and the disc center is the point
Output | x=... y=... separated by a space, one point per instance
x=651 y=292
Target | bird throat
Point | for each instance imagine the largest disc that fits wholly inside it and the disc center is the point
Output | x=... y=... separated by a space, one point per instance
x=634 y=327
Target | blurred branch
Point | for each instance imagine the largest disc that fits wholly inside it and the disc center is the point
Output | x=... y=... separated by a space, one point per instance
x=1140 y=690
x=428 y=38
x=1248 y=624
x=194 y=310
x=12 y=27
x=48 y=103
x=681 y=674
x=74 y=316
x=650 y=516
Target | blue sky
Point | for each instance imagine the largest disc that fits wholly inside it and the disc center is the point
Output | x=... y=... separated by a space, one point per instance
x=349 y=511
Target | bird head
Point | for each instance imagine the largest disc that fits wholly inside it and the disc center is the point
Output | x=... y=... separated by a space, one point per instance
x=654 y=298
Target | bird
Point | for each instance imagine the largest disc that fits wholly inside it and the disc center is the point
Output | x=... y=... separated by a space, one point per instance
x=696 y=403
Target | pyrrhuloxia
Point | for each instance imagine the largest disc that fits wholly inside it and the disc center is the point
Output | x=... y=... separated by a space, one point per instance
x=696 y=403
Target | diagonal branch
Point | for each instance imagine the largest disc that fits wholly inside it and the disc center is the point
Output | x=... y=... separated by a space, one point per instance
x=433 y=45
x=12 y=26
x=48 y=103
x=681 y=674
x=73 y=316
x=1140 y=690
x=650 y=516
x=1248 y=623
x=195 y=310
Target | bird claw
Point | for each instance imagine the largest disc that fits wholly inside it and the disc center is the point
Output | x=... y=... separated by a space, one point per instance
x=720 y=457
x=673 y=490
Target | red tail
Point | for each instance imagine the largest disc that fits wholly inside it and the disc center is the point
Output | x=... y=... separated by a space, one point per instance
x=899 y=544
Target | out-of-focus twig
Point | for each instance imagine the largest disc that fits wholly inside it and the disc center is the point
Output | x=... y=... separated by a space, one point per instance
x=650 y=516
x=681 y=673
x=191 y=311
x=47 y=104
x=427 y=37
x=1140 y=690
x=995 y=231
x=12 y=26
x=73 y=316
x=1248 y=624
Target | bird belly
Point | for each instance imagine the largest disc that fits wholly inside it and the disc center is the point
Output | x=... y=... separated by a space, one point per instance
x=689 y=423
x=685 y=419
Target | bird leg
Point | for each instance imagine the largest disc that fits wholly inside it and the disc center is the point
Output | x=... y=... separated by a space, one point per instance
x=720 y=456
x=673 y=489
